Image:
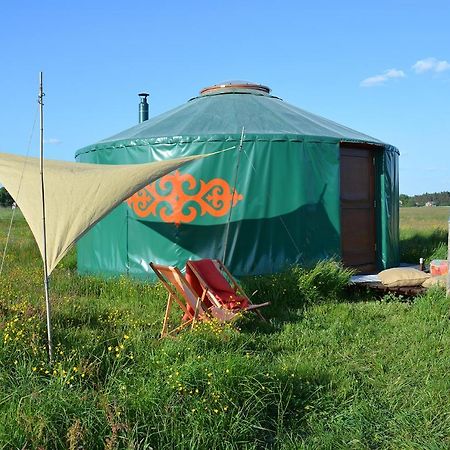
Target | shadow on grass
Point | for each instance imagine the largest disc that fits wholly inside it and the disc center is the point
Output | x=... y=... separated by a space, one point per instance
x=275 y=318
x=298 y=393
x=421 y=245
x=268 y=408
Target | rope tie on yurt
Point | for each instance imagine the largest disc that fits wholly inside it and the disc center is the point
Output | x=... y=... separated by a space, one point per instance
x=236 y=171
x=5 y=249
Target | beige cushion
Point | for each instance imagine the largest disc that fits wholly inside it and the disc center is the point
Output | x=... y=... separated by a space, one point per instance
x=435 y=281
x=402 y=277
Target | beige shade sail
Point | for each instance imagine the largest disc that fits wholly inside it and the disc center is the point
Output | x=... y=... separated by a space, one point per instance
x=77 y=195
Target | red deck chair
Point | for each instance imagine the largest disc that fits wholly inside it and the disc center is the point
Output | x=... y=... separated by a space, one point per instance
x=194 y=307
x=211 y=279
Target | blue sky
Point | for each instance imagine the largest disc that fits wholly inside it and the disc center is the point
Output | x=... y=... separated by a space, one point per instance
x=382 y=68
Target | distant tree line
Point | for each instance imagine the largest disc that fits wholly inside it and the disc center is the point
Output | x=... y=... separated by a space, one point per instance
x=436 y=198
x=5 y=199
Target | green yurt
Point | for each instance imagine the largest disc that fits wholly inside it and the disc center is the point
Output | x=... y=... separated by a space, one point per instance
x=292 y=188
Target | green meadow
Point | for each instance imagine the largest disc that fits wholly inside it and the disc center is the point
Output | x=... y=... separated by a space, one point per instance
x=423 y=233
x=330 y=369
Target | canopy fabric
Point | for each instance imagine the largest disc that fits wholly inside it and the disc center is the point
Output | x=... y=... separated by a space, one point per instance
x=77 y=195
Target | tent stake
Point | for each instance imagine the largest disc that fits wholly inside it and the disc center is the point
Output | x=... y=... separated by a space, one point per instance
x=44 y=232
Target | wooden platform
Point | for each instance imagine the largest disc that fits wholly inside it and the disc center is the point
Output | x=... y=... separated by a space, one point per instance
x=373 y=283
x=411 y=291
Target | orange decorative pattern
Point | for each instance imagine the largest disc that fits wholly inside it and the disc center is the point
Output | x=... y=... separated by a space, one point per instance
x=175 y=198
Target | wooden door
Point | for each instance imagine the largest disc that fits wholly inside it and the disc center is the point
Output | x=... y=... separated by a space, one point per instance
x=358 y=234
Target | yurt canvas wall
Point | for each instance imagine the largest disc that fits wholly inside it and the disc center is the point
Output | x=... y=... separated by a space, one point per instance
x=306 y=189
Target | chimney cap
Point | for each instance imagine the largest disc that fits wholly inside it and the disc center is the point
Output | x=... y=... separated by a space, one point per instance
x=143 y=94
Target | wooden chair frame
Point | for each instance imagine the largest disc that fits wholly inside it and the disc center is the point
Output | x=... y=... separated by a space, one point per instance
x=181 y=291
x=232 y=282
x=171 y=278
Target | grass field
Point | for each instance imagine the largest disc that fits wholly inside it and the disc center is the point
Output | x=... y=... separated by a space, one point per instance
x=329 y=370
x=424 y=219
x=423 y=233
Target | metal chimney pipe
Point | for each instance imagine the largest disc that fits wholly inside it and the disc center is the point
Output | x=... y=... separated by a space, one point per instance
x=143 y=107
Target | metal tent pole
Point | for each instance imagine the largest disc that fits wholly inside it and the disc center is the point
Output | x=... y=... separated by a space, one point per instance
x=227 y=229
x=44 y=231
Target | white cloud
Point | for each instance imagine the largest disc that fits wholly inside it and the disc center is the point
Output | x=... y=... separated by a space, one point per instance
x=378 y=80
x=53 y=141
x=431 y=65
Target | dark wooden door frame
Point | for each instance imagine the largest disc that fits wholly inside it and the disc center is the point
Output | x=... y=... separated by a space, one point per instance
x=366 y=260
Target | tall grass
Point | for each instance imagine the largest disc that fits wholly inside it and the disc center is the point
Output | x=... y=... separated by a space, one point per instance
x=423 y=233
x=321 y=373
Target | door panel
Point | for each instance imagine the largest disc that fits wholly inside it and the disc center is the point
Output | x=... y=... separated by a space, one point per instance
x=357 y=208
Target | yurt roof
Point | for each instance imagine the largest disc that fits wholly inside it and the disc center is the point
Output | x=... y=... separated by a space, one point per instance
x=225 y=108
